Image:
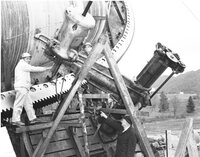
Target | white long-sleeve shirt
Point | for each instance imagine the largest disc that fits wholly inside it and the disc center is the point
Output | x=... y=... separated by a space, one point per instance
x=22 y=74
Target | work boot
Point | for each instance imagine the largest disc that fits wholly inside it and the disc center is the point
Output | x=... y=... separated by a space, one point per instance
x=37 y=121
x=18 y=123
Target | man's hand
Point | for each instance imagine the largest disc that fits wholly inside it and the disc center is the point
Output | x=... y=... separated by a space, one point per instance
x=102 y=114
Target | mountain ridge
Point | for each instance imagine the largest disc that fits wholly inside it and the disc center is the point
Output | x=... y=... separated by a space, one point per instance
x=188 y=82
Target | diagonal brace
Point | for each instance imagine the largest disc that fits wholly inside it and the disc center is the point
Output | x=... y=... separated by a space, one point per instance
x=128 y=102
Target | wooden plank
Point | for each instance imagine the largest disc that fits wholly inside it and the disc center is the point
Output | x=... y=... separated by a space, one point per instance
x=22 y=148
x=187 y=128
x=57 y=143
x=96 y=96
x=67 y=124
x=64 y=153
x=83 y=123
x=27 y=143
x=45 y=126
x=96 y=153
x=95 y=147
x=92 y=141
x=65 y=103
x=77 y=143
x=94 y=144
x=60 y=135
x=109 y=110
x=39 y=144
x=59 y=146
x=61 y=143
x=65 y=117
x=73 y=116
x=128 y=102
x=35 y=139
x=33 y=127
x=192 y=146
x=168 y=142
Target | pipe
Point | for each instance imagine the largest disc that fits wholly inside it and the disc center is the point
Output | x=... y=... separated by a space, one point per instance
x=87 y=8
x=162 y=84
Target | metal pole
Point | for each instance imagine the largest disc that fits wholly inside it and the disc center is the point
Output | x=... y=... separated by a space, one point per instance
x=87 y=8
x=162 y=84
x=166 y=137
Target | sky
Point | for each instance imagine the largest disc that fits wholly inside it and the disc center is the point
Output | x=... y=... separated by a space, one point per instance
x=173 y=23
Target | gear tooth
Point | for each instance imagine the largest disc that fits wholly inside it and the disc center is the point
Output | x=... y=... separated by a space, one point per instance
x=6 y=114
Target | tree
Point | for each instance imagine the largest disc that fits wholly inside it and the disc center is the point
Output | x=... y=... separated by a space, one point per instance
x=155 y=101
x=190 y=106
x=175 y=102
x=164 y=104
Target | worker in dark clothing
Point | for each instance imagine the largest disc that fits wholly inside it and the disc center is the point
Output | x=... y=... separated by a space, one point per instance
x=127 y=138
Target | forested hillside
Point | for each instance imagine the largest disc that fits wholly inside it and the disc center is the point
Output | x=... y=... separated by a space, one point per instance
x=188 y=82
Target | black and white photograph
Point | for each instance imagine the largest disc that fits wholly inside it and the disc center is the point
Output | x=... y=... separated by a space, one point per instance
x=100 y=78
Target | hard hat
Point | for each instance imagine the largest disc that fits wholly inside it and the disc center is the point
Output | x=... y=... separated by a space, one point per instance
x=87 y=43
x=26 y=54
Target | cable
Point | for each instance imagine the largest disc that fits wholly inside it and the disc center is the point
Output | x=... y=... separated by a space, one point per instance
x=190 y=10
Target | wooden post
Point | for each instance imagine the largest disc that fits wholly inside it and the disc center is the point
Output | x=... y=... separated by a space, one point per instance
x=169 y=151
x=22 y=147
x=167 y=142
x=187 y=128
x=128 y=102
x=192 y=146
x=84 y=129
x=42 y=146
x=77 y=142
x=27 y=143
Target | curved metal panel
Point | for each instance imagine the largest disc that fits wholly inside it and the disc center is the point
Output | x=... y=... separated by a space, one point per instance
x=15 y=28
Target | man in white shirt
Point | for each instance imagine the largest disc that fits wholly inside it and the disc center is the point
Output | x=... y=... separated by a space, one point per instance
x=22 y=85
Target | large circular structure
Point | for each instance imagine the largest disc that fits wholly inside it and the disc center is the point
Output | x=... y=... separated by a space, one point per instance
x=21 y=20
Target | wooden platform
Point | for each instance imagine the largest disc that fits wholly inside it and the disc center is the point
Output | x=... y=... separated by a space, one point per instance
x=67 y=140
